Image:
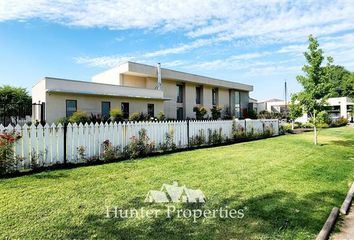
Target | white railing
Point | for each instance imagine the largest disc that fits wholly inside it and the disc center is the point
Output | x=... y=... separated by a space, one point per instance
x=45 y=144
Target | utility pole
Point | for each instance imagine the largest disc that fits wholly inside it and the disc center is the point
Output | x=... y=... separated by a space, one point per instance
x=286 y=96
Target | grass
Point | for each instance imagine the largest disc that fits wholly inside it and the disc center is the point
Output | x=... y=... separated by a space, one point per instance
x=286 y=185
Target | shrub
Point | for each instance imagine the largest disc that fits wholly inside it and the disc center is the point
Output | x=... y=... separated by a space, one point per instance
x=116 y=115
x=82 y=154
x=215 y=112
x=307 y=125
x=79 y=117
x=168 y=144
x=98 y=118
x=198 y=140
x=199 y=112
x=268 y=131
x=8 y=161
x=62 y=120
x=139 y=146
x=286 y=128
x=238 y=132
x=323 y=118
x=36 y=161
x=322 y=125
x=215 y=137
x=270 y=115
x=110 y=152
x=226 y=113
x=134 y=117
x=339 y=122
x=161 y=116
x=252 y=114
x=139 y=117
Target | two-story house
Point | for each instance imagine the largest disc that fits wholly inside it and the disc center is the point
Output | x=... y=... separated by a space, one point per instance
x=135 y=87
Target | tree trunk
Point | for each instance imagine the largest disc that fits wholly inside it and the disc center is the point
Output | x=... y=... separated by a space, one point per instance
x=314 y=127
x=292 y=125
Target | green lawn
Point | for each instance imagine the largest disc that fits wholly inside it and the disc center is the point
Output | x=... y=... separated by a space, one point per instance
x=287 y=186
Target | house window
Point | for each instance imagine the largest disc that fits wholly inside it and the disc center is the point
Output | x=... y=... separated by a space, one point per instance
x=105 y=109
x=198 y=95
x=180 y=93
x=214 y=96
x=180 y=113
x=125 y=109
x=151 y=110
x=237 y=104
x=71 y=107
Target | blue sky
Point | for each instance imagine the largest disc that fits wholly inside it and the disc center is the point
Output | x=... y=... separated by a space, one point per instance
x=254 y=42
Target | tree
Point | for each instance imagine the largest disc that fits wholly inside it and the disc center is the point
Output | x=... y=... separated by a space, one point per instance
x=341 y=80
x=295 y=110
x=316 y=87
x=12 y=99
x=199 y=112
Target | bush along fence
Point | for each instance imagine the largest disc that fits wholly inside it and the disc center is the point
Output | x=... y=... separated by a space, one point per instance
x=31 y=147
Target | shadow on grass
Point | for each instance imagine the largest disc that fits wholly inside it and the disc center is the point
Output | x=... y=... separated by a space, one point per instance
x=274 y=215
x=50 y=175
x=344 y=143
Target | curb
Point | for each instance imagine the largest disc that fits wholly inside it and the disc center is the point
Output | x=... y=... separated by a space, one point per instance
x=329 y=224
x=348 y=200
x=332 y=218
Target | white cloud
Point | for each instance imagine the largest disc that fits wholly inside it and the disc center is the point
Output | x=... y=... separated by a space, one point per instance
x=179 y=49
x=224 y=20
x=103 y=61
x=204 y=23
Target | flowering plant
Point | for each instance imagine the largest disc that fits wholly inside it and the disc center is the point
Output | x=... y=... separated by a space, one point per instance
x=8 y=160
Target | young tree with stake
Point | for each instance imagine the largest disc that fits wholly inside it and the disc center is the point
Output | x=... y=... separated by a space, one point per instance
x=316 y=86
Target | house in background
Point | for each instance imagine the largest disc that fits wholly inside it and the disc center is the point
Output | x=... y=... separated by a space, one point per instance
x=336 y=107
x=135 y=87
x=272 y=105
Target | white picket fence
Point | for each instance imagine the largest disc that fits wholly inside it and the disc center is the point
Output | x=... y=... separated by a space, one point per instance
x=45 y=144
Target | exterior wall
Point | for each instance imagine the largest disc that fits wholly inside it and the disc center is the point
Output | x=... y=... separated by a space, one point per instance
x=151 y=83
x=92 y=104
x=170 y=91
x=184 y=77
x=207 y=99
x=189 y=100
x=224 y=99
x=133 y=81
x=38 y=92
x=110 y=76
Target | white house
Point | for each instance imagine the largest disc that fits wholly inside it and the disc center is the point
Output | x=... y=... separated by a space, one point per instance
x=134 y=87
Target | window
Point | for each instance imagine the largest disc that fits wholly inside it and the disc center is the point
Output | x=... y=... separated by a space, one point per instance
x=180 y=93
x=71 y=107
x=105 y=109
x=125 y=109
x=151 y=110
x=214 y=96
x=198 y=95
x=180 y=113
x=237 y=104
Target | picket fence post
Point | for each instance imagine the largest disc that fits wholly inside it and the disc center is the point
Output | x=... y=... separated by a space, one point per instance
x=65 y=131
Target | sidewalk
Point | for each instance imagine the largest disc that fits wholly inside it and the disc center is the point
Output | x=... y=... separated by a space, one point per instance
x=347 y=229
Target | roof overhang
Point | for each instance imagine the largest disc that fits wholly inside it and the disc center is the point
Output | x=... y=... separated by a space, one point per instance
x=89 y=93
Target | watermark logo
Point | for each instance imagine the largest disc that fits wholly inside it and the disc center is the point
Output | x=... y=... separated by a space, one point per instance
x=174 y=198
x=176 y=194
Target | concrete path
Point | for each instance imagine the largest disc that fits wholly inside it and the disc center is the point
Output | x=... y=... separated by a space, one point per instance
x=347 y=229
